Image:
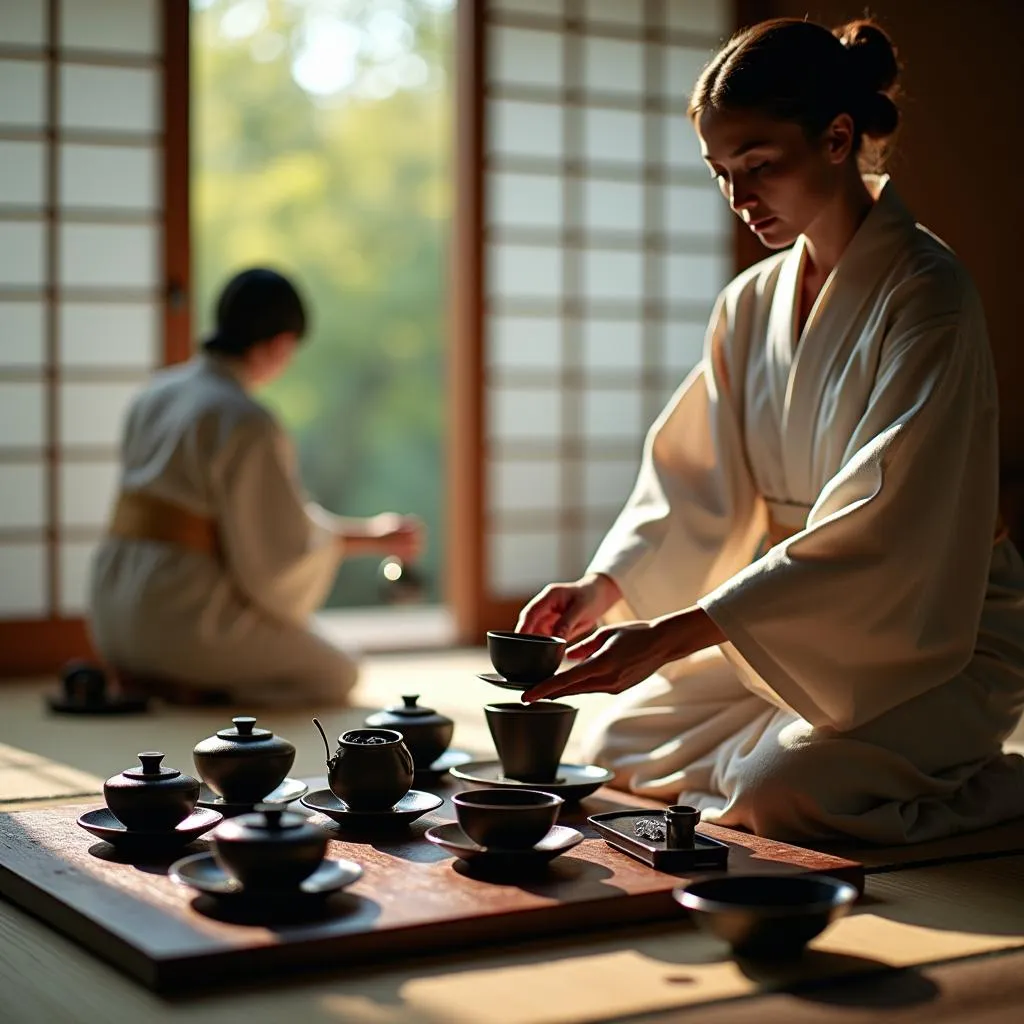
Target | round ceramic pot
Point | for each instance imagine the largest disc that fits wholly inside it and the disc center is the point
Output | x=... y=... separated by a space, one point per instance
x=271 y=849
x=150 y=798
x=371 y=770
x=426 y=733
x=243 y=763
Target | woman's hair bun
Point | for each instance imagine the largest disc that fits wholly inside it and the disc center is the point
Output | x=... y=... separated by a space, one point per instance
x=875 y=69
x=872 y=55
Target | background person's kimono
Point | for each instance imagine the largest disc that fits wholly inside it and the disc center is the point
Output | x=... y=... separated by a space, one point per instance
x=240 y=622
x=875 y=658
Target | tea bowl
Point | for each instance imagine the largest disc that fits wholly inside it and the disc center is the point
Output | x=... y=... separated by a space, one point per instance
x=530 y=738
x=766 y=916
x=506 y=819
x=524 y=657
x=271 y=849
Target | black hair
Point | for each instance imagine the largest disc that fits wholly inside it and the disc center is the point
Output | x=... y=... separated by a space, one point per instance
x=799 y=71
x=253 y=307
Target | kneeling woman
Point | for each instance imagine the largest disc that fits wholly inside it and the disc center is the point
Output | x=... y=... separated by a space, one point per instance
x=831 y=620
x=214 y=561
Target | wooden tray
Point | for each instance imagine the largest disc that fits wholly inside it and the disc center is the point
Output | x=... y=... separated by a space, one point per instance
x=412 y=899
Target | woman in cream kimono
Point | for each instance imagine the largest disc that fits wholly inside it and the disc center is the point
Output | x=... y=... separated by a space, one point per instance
x=830 y=634
x=215 y=562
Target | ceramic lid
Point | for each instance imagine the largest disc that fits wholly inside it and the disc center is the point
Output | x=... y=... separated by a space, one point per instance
x=244 y=731
x=150 y=769
x=267 y=824
x=409 y=708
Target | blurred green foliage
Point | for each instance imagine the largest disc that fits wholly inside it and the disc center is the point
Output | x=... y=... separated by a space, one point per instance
x=321 y=146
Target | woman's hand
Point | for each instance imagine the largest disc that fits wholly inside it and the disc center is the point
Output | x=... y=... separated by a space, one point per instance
x=618 y=657
x=569 y=610
x=401 y=536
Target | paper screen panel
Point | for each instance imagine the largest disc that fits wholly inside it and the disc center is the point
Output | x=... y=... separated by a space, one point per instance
x=111 y=26
x=23 y=489
x=22 y=93
x=22 y=414
x=23 y=23
x=115 y=99
x=22 y=335
x=23 y=575
x=109 y=177
x=114 y=335
x=22 y=174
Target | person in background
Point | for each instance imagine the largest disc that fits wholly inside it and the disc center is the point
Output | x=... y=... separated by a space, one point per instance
x=214 y=562
x=827 y=635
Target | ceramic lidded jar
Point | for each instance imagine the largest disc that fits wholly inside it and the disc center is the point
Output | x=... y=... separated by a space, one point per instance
x=426 y=733
x=149 y=797
x=270 y=849
x=244 y=763
x=371 y=770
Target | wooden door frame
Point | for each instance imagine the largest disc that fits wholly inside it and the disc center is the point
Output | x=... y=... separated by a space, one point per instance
x=40 y=646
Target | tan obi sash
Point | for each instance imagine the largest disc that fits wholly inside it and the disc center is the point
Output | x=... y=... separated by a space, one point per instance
x=139 y=516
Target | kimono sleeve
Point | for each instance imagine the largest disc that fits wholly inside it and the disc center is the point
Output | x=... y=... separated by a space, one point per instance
x=879 y=598
x=692 y=518
x=280 y=550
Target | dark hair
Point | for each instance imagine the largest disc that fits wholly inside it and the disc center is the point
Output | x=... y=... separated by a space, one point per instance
x=799 y=71
x=254 y=306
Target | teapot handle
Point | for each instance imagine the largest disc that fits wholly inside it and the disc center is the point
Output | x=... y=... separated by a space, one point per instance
x=323 y=735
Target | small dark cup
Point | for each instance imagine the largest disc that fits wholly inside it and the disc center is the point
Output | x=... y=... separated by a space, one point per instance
x=524 y=657
x=530 y=738
x=680 y=826
x=506 y=819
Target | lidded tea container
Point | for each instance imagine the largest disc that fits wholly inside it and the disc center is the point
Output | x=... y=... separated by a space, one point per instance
x=427 y=733
x=149 y=797
x=244 y=763
x=271 y=848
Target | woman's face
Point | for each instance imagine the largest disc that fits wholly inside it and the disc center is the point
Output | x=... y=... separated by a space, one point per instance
x=775 y=179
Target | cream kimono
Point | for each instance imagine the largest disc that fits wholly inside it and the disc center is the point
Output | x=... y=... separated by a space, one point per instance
x=875 y=658
x=239 y=622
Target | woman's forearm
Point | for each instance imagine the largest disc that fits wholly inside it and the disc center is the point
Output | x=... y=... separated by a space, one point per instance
x=681 y=634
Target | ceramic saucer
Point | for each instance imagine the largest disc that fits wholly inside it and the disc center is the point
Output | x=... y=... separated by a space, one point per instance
x=289 y=791
x=505 y=684
x=202 y=871
x=573 y=782
x=450 y=837
x=451 y=758
x=414 y=804
x=102 y=824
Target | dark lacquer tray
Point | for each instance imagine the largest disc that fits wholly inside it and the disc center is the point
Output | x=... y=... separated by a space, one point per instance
x=616 y=828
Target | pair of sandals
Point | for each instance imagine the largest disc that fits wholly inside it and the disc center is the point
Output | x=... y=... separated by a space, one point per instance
x=87 y=689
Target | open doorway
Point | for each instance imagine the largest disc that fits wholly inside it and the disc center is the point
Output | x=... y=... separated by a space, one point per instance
x=320 y=145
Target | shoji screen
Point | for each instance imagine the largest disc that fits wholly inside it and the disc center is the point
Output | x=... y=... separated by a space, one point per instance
x=83 y=274
x=604 y=243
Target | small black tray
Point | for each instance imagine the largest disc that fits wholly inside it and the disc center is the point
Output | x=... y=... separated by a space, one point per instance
x=616 y=828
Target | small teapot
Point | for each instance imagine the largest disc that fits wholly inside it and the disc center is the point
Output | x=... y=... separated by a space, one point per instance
x=426 y=733
x=371 y=770
x=149 y=798
x=244 y=764
x=271 y=849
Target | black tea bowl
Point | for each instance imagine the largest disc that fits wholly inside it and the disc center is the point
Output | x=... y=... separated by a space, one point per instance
x=506 y=819
x=767 y=917
x=524 y=657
